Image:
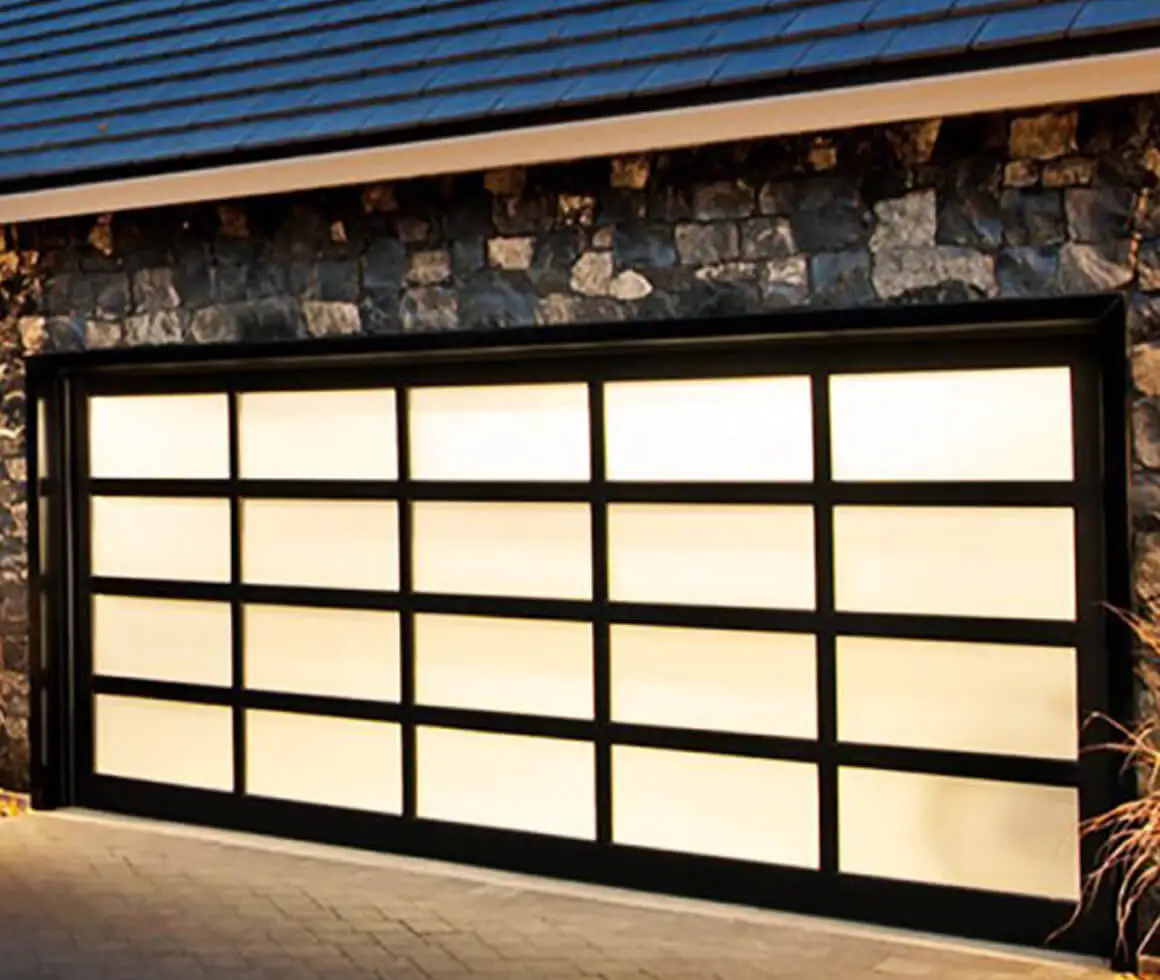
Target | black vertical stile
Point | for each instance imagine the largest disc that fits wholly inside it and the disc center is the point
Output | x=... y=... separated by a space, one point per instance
x=1115 y=410
x=406 y=604
x=827 y=684
x=49 y=639
x=237 y=607
x=1095 y=674
x=601 y=630
x=39 y=589
x=76 y=573
x=1099 y=628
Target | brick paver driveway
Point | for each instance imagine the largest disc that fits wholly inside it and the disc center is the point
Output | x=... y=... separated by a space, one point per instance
x=85 y=898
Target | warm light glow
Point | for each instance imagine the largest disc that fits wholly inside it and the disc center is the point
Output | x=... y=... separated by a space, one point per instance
x=44 y=532
x=725 y=429
x=723 y=680
x=42 y=439
x=528 y=666
x=532 y=550
x=712 y=555
x=751 y=809
x=342 y=653
x=330 y=761
x=42 y=473
x=1016 y=562
x=330 y=544
x=543 y=785
x=965 y=697
x=156 y=436
x=1008 y=424
x=161 y=538
x=500 y=432
x=318 y=435
x=970 y=833
x=177 y=640
x=163 y=741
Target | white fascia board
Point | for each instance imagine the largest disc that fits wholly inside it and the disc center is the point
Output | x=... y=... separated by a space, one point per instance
x=1021 y=86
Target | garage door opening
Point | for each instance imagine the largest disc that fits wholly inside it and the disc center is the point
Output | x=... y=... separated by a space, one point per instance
x=789 y=618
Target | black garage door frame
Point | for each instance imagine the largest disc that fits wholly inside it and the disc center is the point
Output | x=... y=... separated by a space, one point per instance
x=1086 y=333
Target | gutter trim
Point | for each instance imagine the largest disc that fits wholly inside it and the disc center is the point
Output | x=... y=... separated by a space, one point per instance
x=962 y=93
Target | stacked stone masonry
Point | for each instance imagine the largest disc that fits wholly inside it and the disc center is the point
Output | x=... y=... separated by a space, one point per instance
x=1058 y=201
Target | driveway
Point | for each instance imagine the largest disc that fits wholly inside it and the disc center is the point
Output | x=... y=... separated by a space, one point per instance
x=89 y=897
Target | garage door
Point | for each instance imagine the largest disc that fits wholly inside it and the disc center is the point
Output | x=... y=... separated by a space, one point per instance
x=807 y=625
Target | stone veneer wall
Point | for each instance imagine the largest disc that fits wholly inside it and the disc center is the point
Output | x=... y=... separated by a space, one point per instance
x=1036 y=204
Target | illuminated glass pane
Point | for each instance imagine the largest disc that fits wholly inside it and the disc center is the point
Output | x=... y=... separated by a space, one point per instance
x=712 y=555
x=42 y=438
x=969 y=833
x=500 y=432
x=717 y=430
x=966 y=697
x=1009 y=424
x=533 y=550
x=751 y=809
x=342 y=762
x=1016 y=562
x=521 y=782
x=155 y=436
x=360 y=660
x=164 y=741
x=723 y=680
x=42 y=473
x=43 y=532
x=335 y=544
x=161 y=538
x=520 y=665
x=318 y=435
x=162 y=639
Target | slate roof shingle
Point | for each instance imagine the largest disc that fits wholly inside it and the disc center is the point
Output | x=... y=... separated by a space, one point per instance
x=96 y=85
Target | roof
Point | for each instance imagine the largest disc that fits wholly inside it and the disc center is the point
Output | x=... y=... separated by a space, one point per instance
x=94 y=87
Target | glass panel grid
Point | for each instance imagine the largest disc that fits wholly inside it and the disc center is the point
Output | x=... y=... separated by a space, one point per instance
x=799 y=738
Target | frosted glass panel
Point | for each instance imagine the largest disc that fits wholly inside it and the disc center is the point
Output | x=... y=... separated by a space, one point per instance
x=42 y=473
x=162 y=538
x=331 y=761
x=164 y=741
x=719 y=430
x=162 y=639
x=967 y=697
x=335 y=544
x=521 y=665
x=43 y=532
x=712 y=555
x=534 y=550
x=724 y=680
x=500 y=432
x=318 y=435
x=971 y=833
x=152 y=436
x=42 y=439
x=342 y=653
x=751 y=809
x=980 y=561
x=1010 y=424
x=544 y=785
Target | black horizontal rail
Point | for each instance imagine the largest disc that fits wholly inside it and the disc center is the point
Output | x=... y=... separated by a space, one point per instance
x=894 y=494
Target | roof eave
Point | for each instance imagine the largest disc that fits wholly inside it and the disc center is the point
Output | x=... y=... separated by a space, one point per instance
x=1068 y=80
